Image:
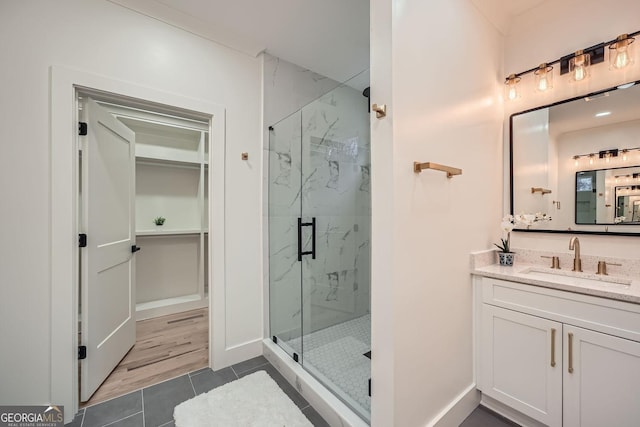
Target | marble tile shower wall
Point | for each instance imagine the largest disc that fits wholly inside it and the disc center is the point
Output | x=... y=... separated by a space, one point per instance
x=318 y=164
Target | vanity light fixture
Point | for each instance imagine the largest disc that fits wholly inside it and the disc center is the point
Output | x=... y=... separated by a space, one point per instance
x=620 y=52
x=544 y=77
x=511 y=90
x=577 y=64
x=607 y=155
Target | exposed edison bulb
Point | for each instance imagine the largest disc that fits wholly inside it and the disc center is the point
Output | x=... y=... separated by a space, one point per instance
x=622 y=58
x=624 y=155
x=579 y=66
x=511 y=87
x=576 y=161
x=544 y=77
x=620 y=52
x=591 y=156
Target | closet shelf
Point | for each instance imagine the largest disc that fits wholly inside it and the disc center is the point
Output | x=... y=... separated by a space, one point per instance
x=166 y=232
x=160 y=161
x=168 y=302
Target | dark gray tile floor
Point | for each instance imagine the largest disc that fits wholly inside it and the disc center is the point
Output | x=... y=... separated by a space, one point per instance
x=483 y=417
x=153 y=406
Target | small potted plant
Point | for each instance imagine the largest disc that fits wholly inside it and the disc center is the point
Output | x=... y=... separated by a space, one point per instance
x=505 y=255
x=159 y=220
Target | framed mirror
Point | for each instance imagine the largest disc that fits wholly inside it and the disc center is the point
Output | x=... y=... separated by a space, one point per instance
x=578 y=161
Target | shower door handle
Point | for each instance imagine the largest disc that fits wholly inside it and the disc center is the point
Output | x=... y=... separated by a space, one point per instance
x=312 y=252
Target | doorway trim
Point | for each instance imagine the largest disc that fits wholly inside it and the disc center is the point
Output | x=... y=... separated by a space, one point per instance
x=64 y=251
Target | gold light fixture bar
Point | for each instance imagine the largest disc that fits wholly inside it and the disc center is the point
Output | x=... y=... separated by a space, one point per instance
x=451 y=171
x=541 y=190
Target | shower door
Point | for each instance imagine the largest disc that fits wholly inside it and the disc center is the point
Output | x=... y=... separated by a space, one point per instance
x=336 y=192
x=319 y=234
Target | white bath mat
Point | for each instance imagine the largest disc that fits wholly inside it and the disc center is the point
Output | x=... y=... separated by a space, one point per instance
x=252 y=401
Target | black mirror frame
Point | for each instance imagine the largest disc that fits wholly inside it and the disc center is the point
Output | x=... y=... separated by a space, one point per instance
x=600 y=233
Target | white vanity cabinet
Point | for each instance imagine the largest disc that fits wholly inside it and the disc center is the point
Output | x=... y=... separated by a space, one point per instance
x=522 y=362
x=603 y=387
x=560 y=358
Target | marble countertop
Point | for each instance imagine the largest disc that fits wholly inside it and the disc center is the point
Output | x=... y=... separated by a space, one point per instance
x=617 y=287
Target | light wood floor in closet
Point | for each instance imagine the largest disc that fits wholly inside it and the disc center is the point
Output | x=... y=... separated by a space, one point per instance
x=166 y=347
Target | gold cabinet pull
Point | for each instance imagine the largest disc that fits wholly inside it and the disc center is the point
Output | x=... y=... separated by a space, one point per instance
x=553 y=347
x=570 y=353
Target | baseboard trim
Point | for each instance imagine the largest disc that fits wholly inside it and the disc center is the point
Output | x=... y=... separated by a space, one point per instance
x=458 y=409
x=236 y=354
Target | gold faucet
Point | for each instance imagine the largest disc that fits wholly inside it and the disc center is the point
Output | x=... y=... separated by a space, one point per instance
x=577 y=262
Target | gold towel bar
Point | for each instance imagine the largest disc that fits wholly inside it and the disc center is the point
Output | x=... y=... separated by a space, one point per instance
x=419 y=167
x=540 y=190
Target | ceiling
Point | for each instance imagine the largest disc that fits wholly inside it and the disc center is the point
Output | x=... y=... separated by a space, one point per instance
x=330 y=37
x=501 y=12
x=609 y=108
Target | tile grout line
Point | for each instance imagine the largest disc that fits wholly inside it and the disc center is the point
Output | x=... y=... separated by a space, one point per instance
x=250 y=369
x=122 y=419
x=234 y=372
x=192 y=387
x=144 y=421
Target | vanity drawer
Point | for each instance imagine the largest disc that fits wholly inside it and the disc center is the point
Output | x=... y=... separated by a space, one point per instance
x=599 y=314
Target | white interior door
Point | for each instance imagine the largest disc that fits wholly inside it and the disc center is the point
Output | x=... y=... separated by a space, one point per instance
x=107 y=262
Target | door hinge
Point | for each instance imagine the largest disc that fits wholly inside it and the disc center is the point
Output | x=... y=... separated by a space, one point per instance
x=369 y=387
x=82 y=240
x=82 y=128
x=295 y=357
x=82 y=352
x=274 y=339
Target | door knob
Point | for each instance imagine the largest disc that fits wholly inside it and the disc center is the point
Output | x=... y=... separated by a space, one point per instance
x=135 y=249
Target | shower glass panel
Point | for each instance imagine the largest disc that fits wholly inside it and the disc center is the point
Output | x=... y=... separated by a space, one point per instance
x=285 y=292
x=320 y=240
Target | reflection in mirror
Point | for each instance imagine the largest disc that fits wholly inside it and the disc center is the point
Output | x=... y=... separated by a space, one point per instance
x=579 y=162
x=606 y=196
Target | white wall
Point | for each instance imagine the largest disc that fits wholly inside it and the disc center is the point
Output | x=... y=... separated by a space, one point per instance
x=99 y=37
x=550 y=31
x=446 y=108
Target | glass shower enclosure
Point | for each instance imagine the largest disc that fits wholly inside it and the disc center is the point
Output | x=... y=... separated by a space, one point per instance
x=319 y=241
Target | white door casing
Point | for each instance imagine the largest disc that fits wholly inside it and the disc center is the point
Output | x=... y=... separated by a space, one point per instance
x=107 y=262
x=65 y=82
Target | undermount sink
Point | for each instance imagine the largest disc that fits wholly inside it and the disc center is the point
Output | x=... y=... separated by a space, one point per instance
x=575 y=278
